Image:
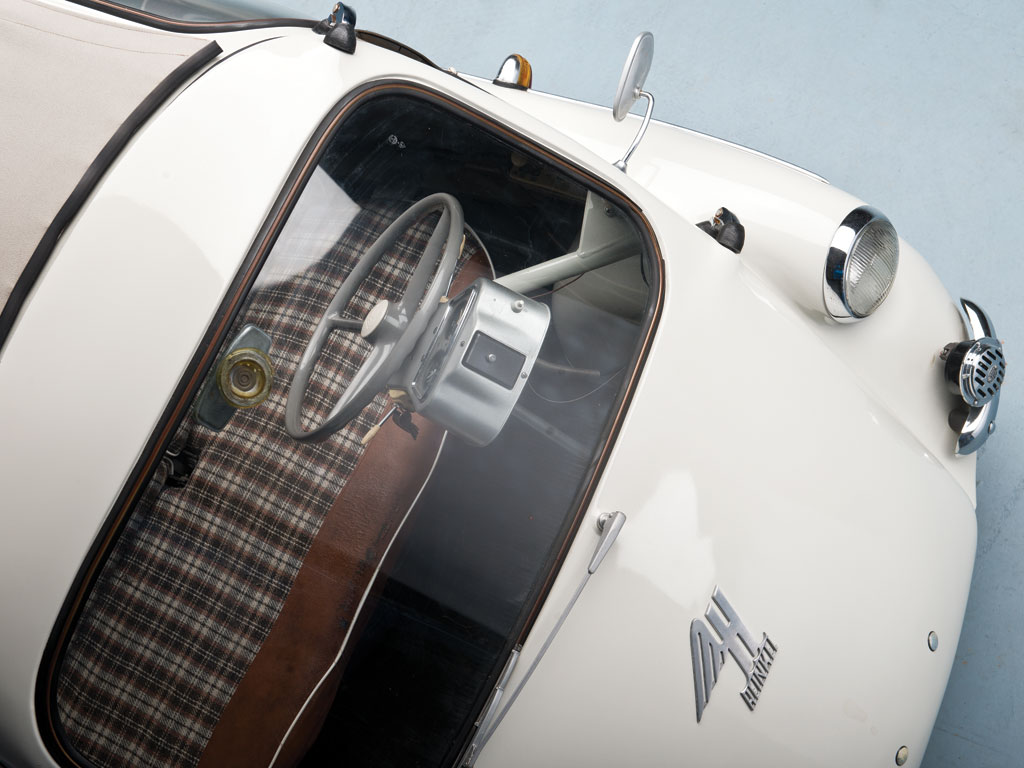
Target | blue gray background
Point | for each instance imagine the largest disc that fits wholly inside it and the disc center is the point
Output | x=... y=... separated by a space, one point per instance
x=917 y=108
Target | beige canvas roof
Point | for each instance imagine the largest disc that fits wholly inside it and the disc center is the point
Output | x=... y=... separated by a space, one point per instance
x=67 y=84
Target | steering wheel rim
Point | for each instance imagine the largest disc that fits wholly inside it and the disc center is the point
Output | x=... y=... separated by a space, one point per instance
x=392 y=328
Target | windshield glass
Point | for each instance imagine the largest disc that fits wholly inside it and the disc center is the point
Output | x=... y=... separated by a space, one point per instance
x=352 y=600
x=215 y=11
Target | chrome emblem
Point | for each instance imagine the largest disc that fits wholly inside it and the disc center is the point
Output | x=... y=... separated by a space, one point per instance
x=708 y=652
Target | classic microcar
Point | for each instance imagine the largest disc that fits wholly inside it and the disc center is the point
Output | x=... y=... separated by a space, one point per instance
x=357 y=412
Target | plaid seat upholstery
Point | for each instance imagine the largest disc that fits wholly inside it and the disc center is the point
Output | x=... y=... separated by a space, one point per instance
x=195 y=582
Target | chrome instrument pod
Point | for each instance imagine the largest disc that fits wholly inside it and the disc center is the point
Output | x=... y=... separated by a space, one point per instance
x=468 y=371
x=974 y=369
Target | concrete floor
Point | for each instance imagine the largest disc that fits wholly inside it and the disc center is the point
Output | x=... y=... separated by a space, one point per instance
x=916 y=107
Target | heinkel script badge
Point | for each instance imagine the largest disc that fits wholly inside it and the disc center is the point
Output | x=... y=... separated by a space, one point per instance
x=727 y=634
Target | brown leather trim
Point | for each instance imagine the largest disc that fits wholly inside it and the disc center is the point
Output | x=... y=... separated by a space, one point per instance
x=321 y=607
x=324 y=597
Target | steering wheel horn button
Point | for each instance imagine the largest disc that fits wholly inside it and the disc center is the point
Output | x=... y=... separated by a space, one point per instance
x=384 y=315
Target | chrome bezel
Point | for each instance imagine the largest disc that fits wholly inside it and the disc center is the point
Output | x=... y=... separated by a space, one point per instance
x=844 y=241
x=982 y=371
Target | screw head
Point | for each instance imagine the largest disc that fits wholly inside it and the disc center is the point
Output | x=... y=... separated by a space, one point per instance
x=991 y=427
x=901 y=755
x=933 y=641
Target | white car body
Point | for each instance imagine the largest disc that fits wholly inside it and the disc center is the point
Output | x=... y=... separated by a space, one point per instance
x=847 y=539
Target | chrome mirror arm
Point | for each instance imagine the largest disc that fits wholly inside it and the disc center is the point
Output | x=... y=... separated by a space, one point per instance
x=621 y=163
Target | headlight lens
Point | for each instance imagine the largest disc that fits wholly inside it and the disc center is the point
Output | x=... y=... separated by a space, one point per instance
x=861 y=265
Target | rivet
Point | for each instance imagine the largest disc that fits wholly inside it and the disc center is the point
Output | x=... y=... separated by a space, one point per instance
x=991 y=427
x=901 y=755
x=933 y=641
x=517 y=305
x=491 y=357
x=523 y=375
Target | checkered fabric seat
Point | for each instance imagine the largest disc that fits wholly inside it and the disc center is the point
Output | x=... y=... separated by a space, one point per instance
x=201 y=572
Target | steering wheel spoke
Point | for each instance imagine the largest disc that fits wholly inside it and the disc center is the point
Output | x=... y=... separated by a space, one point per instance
x=391 y=328
x=336 y=323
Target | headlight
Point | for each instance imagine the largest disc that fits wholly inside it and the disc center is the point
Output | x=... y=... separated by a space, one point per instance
x=861 y=265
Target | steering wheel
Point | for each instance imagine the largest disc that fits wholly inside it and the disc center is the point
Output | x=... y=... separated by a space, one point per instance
x=392 y=328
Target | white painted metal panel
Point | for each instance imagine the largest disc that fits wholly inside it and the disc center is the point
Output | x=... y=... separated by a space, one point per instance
x=825 y=522
x=734 y=465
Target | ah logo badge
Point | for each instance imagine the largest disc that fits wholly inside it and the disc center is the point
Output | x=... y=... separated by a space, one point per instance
x=727 y=635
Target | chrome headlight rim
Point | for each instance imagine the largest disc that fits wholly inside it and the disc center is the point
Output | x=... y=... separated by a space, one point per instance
x=836 y=286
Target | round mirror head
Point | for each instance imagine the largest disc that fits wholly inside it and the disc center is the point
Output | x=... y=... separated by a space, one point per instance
x=638 y=64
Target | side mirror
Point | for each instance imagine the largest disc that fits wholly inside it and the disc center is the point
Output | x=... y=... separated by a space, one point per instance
x=634 y=73
x=630 y=89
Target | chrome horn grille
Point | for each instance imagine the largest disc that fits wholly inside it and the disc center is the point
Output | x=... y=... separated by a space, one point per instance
x=975 y=369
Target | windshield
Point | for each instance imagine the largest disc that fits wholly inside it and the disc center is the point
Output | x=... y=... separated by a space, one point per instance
x=215 y=11
x=351 y=600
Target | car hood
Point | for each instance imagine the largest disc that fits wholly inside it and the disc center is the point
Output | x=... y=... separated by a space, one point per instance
x=790 y=216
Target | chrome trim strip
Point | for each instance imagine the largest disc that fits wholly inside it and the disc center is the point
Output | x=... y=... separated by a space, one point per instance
x=484 y=723
x=609 y=532
x=981 y=422
x=977 y=323
x=621 y=163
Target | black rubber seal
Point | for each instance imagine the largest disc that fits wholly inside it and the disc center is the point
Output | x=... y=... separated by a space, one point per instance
x=195 y=27
x=388 y=43
x=92 y=176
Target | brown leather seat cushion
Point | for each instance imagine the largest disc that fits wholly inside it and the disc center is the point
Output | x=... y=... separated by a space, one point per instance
x=321 y=607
